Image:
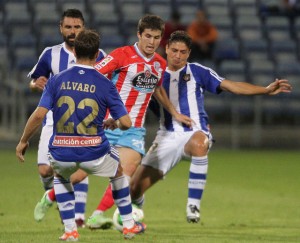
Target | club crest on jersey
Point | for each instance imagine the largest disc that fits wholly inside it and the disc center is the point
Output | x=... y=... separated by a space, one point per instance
x=186 y=77
x=145 y=81
x=156 y=66
x=103 y=62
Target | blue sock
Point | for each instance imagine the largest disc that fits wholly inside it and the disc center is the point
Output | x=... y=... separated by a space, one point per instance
x=140 y=201
x=65 y=198
x=120 y=192
x=47 y=182
x=197 y=180
x=81 y=191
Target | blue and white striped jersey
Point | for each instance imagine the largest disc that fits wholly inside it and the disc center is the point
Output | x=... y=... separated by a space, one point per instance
x=52 y=61
x=185 y=89
x=55 y=59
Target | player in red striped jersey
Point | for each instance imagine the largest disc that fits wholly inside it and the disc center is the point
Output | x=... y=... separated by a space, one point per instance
x=137 y=73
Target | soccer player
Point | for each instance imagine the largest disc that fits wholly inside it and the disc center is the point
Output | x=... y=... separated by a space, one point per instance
x=185 y=84
x=137 y=73
x=52 y=61
x=79 y=98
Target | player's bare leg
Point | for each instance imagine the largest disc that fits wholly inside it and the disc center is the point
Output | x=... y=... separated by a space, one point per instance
x=143 y=178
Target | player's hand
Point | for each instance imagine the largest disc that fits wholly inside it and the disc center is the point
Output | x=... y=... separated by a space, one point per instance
x=279 y=86
x=185 y=120
x=110 y=124
x=38 y=84
x=20 y=151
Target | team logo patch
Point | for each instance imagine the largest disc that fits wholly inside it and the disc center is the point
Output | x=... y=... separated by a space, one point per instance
x=145 y=81
x=147 y=74
x=186 y=77
x=156 y=66
x=103 y=62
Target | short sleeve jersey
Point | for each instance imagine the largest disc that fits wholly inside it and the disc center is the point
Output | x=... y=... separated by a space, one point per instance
x=79 y=98
x=185 y=89
x=54 y=60
x=135 y=78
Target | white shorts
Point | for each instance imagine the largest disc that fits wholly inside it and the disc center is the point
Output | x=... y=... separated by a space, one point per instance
x=43 y=149
x=168 y=149
x=105 y=166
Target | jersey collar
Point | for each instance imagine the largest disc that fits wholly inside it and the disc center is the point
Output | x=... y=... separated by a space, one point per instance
x=66 y=49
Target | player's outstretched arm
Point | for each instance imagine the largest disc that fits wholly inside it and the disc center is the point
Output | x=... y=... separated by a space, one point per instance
x=243 y=88
x=32 y=125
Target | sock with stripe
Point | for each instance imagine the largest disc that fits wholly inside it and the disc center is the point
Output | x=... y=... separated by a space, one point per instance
x=120 y=192
x=81 y=191
x=107 y=200
x=140 y=201
x=65 y=198
x=47 y=182
x=197 y=180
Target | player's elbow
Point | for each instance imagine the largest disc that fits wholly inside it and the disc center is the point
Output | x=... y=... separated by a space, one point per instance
x=39 y=114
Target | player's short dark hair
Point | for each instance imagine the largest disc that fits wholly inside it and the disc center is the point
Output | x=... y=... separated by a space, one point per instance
x=72 y=13
x=180 y=36
x=152 y=22
x=87 y=44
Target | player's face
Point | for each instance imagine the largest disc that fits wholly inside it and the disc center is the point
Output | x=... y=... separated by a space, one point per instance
x=149 y=41
x=70 y=28
x=177 y=55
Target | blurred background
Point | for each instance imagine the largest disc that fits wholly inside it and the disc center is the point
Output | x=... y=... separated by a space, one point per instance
x=257 y=42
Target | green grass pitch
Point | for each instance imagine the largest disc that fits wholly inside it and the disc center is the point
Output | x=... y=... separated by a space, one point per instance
x=251 y=196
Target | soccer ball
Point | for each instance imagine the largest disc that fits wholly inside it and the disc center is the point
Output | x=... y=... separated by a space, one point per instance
x=137 y=214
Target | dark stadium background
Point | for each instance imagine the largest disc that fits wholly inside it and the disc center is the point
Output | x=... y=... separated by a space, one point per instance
x=253 y=45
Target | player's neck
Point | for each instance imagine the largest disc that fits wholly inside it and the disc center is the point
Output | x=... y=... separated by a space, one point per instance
x=87 y=62
x=69 y=48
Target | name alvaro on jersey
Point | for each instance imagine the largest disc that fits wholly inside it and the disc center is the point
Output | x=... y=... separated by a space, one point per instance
x=69 y=85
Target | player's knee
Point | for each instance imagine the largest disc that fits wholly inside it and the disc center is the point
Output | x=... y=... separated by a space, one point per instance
x=129 y=169
x=201 y=146
x=197 y=147
x=45 y=171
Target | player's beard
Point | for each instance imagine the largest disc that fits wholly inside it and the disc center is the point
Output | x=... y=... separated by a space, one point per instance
x=68 y=41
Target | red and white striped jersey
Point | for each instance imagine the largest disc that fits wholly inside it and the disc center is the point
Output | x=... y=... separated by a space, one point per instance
x=135 y=78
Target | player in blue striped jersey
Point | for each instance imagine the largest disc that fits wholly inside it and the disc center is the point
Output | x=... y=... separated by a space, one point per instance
x=52 y=61
x=185 y=84
x=79 y=98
